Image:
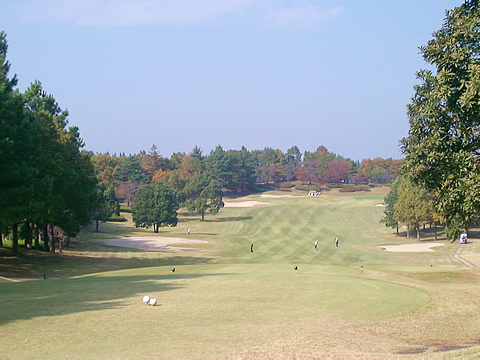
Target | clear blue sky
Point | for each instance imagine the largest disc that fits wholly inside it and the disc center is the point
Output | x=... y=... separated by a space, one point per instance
x=257 y=73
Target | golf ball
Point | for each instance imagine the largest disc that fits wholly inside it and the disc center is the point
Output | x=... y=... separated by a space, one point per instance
x=152 y=302
x=146 y=299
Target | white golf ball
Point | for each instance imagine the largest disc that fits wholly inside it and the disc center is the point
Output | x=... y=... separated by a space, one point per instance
x=153 y=302
x=146 y=299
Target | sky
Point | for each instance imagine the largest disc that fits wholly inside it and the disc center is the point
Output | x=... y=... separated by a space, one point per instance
x=255 y=73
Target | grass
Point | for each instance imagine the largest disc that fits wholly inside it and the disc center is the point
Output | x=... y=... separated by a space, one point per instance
x=224 y=301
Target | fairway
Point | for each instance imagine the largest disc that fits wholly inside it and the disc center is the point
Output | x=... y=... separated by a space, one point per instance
x=224 y=301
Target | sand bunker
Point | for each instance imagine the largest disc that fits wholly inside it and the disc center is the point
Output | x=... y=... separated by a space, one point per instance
x=424 y=247
x=152 y=242
x=244 y=203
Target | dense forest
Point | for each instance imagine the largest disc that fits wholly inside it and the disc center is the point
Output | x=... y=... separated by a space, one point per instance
x=237 y=170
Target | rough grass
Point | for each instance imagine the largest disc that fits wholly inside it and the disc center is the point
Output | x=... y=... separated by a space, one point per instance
x=226 y=302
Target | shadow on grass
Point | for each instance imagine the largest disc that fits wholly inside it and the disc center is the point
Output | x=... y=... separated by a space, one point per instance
x=229 y=219
x=33 y=264
x=31 y=299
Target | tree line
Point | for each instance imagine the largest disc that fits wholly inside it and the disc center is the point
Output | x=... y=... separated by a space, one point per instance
x=46 y=182
x=237 y=170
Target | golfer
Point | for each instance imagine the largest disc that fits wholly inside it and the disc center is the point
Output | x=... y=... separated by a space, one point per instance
x=316 y=244
x=336 y=242
x=251 y=247
x=188 y=231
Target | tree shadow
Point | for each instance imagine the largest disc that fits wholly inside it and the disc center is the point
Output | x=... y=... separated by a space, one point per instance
x=93 y=259
x=257 y=189
x=75 y=295
x=229 y=219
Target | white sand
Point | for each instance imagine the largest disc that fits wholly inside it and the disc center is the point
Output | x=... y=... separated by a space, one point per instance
x=152 y=242
x=244 y=203
x=423 y=247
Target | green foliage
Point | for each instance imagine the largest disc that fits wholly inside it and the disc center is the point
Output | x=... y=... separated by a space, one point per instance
x=218 y=163
x=129 y=169
x=443 y=145
x=117 y=218
x=390 y=200
x=106 y=204
x=414 y=205
x=244 y=168
x=46 y=179
x=353 y=188
x=308 y=187
x=208 y=199
x=155 y=205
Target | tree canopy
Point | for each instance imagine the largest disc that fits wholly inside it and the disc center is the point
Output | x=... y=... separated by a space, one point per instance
x=443 y=145
x=46 y=180
x=155 y=205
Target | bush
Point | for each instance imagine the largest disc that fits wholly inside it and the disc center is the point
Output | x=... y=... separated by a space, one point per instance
x=286 y=185
x=117 y=218
x=308 y=187
x=353 y=188
x=284 y=190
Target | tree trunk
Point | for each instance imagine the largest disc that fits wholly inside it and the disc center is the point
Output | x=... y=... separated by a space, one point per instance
x=28 y=235
x=37 y=238
x=397 y=229
x=418 y=233
x=435 y=227
x=408 y=231
x=15 y=239
x=96 y=225
x=52 y=239
x=46 y=248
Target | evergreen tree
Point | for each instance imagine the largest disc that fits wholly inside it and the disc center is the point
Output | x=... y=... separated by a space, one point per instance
x=155 y=205
x=218 y=163
x=16 y=173
x=390 y=200
x=209 y=199
x=106 y=203
x=443 y=146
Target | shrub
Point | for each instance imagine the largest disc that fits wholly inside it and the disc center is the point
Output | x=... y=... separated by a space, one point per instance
x=286 y=185
x=117 y=218
x=284 y=190
x=308 y=187
x=353 y=188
